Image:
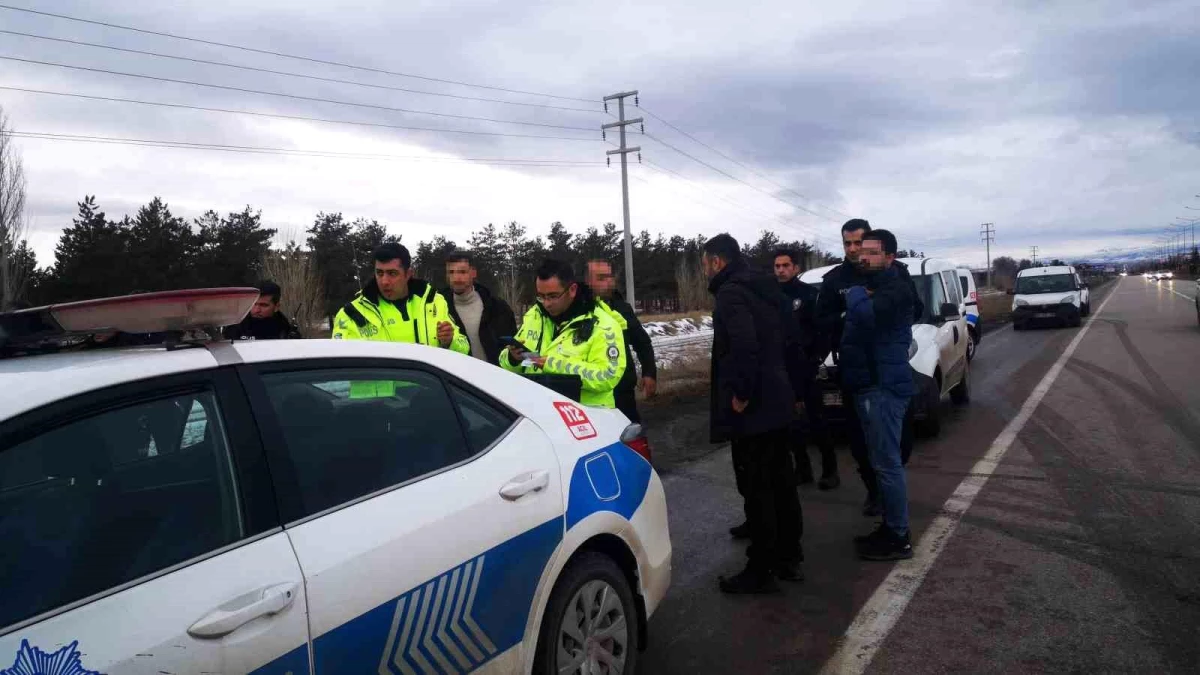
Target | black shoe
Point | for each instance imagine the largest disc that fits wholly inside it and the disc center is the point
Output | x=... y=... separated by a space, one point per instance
x=830 y=482
x=740 y=531
x=872 y=507
x=789 y=571
x=862 y=539
x=749 y=582
x=887 y=546
x=804 y=477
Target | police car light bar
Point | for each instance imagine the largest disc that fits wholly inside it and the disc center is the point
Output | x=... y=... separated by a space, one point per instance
x=142 y=313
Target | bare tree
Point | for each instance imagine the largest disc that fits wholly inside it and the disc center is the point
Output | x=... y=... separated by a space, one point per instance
x=303 y=295
x=692 y=285
x=13 y=225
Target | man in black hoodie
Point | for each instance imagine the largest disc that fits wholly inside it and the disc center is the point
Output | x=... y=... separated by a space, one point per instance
x=484 y=318
x=265 y=321
x=752 y=405
x=831 y=318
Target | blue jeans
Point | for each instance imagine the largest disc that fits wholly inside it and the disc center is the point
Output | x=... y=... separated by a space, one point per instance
x=882 y=416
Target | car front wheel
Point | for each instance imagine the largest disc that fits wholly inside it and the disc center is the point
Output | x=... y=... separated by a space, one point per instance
x=961 y=393
x=932 y=424
x=590 y=626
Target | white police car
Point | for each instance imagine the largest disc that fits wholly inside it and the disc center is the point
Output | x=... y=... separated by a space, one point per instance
x=239 y=508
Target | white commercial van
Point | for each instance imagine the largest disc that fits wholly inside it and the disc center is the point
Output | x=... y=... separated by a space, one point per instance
x=1054 y=294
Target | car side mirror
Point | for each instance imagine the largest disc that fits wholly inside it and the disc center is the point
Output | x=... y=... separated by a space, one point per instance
x=950 y=311
x=1010 y=292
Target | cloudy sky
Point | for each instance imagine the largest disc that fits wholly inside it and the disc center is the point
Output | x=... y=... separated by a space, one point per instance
x=1072 y=126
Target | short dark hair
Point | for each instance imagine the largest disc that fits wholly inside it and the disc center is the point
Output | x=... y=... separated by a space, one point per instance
x=393 y=251
x=460 y=256
x=883 y=236
x=551 y=268
x=791 y=253
x=723 y=246
x=272 y=289
x=856 y=224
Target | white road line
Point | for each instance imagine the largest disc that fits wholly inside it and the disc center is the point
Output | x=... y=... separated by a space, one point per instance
x=1185 y=297
x=883 y=609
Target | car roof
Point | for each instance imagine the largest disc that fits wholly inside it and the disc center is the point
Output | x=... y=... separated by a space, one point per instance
x=29 y=382
x=915 y=267
x=1040 y=271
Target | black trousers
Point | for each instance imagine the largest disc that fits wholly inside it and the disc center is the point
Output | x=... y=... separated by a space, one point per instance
x=813 y=429
x=626 y=401
x=858 y=442
x=762 y=466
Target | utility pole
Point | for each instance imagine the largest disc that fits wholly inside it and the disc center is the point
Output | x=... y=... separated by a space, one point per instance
x=988 y=234
x=1033 y=251
x=624 y=151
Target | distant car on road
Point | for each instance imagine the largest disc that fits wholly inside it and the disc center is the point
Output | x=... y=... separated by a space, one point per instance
x=938 y=354
x=1049 y=294
x=308 y=506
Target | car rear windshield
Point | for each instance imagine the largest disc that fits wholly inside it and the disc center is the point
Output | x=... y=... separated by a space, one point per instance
x=1045 y=283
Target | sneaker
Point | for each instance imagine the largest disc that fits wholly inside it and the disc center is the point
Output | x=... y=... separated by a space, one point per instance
x=872 y=507
x=872 y=536
x=789 y=571
x=749 y=582
x=887 y=546
x=830 y=482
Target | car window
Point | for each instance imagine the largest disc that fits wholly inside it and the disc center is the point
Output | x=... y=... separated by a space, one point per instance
x=352 y=432
x=937 y=293
x=95 y=502
x=482 y=421
x=966 y=290
x=1045 y=283
x=952 y=294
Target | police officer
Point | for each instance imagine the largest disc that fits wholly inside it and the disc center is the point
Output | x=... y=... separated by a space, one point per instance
x=395 y=307
x=567 y=333
x=601 y=280
x=803 y=301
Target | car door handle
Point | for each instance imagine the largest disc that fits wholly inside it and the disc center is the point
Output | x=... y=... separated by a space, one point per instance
x=243 y=609
x=534 y=481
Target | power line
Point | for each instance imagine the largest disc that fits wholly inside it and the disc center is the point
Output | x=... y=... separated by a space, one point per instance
x=309 y=59
x=297 y=97
x=252 y=149
x=298 y=118
x=733 y=177
x=744 y=166
x=298 y=75
x=801 y=229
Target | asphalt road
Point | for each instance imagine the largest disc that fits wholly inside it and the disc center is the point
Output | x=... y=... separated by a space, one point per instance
x=1080 y=554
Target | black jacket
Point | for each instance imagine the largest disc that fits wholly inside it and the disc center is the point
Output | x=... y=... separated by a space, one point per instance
x=276 y=327
x=636 y=341
x=831 y=303
x=748 y=354
x=809 y=343
x=497 y=321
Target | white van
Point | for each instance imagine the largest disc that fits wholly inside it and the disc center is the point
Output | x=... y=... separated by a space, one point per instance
x=1049 y=294
x=971 y=303
x=938 y=354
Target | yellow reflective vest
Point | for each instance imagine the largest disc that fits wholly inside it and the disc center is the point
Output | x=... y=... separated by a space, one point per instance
x=589 y=343
x=369 y=316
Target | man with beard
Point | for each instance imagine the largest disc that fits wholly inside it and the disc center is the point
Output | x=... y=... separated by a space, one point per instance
x=265 y=321
x=751 y=406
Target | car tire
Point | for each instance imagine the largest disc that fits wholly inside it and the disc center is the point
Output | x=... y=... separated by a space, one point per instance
x=593 y=595
x=961 y=393
x=970 y=346
x=1087 y=309
x=1075 y=320
x=932 y=424
x=1018 y=326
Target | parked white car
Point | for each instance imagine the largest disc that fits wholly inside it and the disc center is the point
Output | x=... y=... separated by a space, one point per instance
x=1049 y=294
x=938 y=355
x=246 y=508
x=971 y=304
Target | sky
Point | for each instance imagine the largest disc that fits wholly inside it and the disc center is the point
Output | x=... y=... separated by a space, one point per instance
x=1071 y=126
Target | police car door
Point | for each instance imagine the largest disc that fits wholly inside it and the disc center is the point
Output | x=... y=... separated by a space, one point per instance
x=140 y=537
x=422 y=519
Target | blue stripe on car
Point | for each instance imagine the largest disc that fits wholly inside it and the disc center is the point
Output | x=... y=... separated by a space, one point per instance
x=613 y=478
